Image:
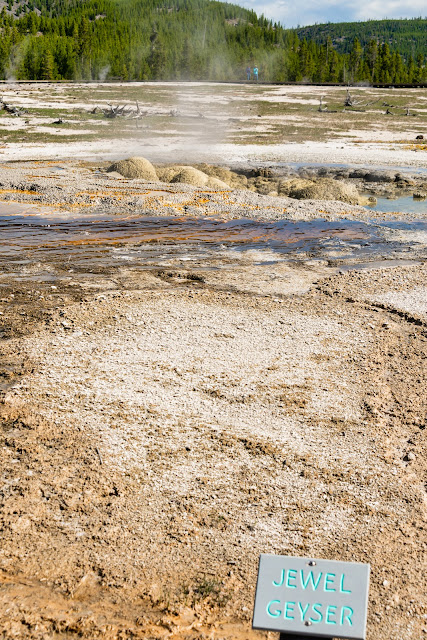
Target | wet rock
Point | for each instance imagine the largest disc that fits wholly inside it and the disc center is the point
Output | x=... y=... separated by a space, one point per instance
x=231 y=178
x=343 y=174
x=403 y=181
x=308 y=173
x=325 y=172
x=402 y=186
x=368 y=201
x=263 y=172
x=320 y=189
x=358 y=174
x=263 y=186
x=380 y=176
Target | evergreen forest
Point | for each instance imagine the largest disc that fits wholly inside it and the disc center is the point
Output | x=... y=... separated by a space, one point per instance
x=409 y=37
x=141 y=40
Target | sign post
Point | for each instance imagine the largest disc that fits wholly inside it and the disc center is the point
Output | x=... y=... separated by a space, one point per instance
x=318 y=599
x=288 y=636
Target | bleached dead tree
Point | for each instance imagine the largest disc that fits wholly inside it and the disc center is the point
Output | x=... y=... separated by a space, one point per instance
x=14 y=111
x=124 y=111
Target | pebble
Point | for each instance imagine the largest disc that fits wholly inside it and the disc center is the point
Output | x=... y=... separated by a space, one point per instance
x=411 y=456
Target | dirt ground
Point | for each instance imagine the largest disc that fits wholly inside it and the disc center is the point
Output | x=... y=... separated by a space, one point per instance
x=163 y=426
x=161 y=433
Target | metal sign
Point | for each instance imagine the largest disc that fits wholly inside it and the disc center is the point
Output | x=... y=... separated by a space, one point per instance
x=307 y=596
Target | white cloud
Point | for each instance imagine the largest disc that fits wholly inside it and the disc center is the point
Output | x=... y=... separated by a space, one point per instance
x=391 y=9
x=320 y=11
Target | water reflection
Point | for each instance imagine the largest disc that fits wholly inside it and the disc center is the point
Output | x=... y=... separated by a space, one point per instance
x=404 y=204
x=32 y=240
x=22 y=231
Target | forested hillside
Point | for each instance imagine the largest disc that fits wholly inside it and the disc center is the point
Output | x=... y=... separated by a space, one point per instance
x=182 y=40
x=409 y=37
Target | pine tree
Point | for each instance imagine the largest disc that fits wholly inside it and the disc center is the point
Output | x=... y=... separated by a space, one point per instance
x=191 y=39
x=355 y=60
x=47 y=68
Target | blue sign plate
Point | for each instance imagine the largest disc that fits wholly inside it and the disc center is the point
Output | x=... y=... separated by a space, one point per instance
x=312 y=597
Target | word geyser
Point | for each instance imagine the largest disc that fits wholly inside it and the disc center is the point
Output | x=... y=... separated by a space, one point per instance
x=312 y=612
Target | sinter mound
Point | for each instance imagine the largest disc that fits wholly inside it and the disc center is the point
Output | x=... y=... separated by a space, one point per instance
x=192 y=176
x=189 y=175
x=320 y=189
x=166 y=174
x=135 y=168
x=231 y=178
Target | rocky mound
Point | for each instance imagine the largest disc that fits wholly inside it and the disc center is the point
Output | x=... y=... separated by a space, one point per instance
x=264 y=186
x=216 y=183
x=189 y=175
x=166 y=174
x=319 y=189
x=135 y=168
x=197 y=178
x=230 y=178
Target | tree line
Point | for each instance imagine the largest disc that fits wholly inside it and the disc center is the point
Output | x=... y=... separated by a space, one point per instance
x=408 y=36
x=145 y=40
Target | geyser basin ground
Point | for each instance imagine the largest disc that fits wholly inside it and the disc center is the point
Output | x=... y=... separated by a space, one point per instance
x=196 y=122
x=171 y=410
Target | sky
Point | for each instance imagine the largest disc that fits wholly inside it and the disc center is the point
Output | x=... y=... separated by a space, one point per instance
x=291 y=14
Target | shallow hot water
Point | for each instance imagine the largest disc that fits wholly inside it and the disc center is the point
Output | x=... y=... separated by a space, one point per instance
x=31 y=239
x=404 y=204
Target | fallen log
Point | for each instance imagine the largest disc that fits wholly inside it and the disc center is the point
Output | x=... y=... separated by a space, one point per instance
x=124 y=111
x=14 y=111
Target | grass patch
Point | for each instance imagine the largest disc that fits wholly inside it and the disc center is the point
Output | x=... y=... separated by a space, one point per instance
x=207 y=589
x=294 y=121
